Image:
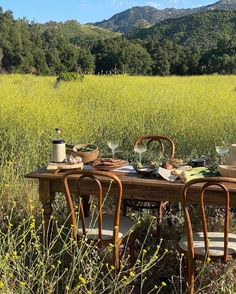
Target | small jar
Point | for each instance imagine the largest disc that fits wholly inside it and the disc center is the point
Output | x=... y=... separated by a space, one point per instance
x=58 y=150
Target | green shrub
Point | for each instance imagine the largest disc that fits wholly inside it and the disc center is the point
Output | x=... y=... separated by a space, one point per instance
x=69 y=77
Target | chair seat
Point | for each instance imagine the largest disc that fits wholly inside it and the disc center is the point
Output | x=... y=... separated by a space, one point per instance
x=216 y=244
x=91 y=225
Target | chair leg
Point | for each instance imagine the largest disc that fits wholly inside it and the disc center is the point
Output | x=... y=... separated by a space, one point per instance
x=191 y=276
x=116 y=257
x=159 y=217
x=124 y=207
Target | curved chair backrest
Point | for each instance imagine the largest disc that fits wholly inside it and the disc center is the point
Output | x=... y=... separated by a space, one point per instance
x=221 y=183
x=77 y=177
x=161 y=140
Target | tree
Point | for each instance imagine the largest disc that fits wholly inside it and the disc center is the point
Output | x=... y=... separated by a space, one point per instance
x=121 y=56
x=86 y=61
x=222 y=59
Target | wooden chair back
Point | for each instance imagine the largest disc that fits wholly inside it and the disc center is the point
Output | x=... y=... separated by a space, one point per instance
x=162 y=140
x=207 y=183
x=94 y=176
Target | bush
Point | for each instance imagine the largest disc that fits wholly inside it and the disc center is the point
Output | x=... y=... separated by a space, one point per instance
x=68 y=77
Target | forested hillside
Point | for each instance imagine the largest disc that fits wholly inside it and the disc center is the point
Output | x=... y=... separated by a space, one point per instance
x=203 y=43
x=141 y=17
x=202 y=30
x=146 y=16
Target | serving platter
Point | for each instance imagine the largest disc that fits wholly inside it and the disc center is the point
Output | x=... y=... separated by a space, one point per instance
x=107 y=164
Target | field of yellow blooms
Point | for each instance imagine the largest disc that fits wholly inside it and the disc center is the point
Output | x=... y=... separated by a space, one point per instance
x=196 y=112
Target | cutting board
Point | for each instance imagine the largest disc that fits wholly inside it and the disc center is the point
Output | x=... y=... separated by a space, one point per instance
x=56 y=166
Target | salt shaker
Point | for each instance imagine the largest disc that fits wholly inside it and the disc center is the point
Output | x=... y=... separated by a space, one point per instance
x=58 y=148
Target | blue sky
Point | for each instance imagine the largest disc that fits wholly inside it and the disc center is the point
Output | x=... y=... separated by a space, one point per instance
x=85 y=10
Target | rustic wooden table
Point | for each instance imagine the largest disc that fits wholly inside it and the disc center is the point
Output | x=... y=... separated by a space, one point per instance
x=134 y=188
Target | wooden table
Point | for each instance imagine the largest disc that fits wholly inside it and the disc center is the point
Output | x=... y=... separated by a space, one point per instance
x=134 y=188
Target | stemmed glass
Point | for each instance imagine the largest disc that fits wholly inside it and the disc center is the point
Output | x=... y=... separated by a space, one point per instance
x=140 y=148
x=222 y=150
x=113 y=144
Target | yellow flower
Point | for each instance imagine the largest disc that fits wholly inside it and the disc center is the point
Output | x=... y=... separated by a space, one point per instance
x=32 y=225
x=132 y=274
x=52 y=266
x=144 y=251
x=112 y=267
x=22 y=284
x=82 y=280
x=59 y=262
x=14 y=255
x=1 y=284
x=31 y=207
x=208 y=259
x=163 y=284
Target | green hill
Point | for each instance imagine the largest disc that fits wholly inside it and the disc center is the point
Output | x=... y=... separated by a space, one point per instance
x=199 y=30
x=79 y=34
x=146 y=16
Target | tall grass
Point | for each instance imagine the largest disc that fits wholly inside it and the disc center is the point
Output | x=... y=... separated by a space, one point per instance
x=196 y=112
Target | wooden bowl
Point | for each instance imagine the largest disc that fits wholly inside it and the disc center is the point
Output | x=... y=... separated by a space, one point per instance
x=87 y=156
x=227 y=170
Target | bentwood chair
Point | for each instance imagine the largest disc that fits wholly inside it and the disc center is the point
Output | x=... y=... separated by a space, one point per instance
x=105 y=228
x=167 y=152
x=205 y=244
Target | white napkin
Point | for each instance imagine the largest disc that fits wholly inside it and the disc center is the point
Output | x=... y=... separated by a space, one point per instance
x=125 y=169
x=165 y=174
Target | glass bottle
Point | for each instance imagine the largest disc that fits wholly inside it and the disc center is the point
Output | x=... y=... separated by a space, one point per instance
x=58 y=148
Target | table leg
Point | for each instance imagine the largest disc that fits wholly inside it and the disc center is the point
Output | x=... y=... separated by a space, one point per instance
x=86 y=204
x=46 y=197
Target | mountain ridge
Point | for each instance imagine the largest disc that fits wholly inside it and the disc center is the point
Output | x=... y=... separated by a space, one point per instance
x=191 y=30
x=147 y=16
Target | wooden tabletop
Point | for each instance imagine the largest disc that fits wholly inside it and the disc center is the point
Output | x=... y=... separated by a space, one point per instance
x=137 y=188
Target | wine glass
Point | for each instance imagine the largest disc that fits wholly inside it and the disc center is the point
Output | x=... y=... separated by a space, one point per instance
x=113 y=144
x=140 y=148
x=222 y=150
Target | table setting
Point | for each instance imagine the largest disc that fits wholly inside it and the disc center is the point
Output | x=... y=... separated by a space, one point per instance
x=87 y=156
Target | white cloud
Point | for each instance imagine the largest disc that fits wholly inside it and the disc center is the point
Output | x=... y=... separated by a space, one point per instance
x=153 y=4
x=170 y=3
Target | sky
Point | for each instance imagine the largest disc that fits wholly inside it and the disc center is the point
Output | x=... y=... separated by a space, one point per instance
x=85 y=10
